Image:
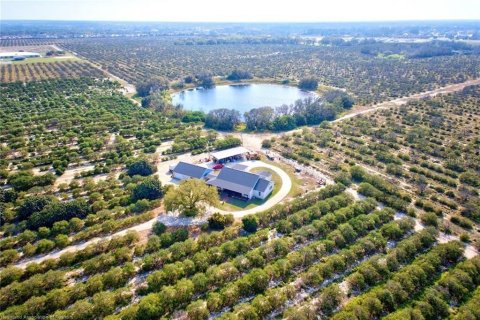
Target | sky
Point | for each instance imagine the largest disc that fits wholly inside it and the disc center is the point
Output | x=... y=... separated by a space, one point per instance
x=240 y=10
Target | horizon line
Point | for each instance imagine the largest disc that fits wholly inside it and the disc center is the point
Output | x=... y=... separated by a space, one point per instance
x=249 y=22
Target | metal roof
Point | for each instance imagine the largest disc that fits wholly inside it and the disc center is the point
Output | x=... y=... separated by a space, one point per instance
x=265 y=174
x=191 y=170
x=262 y=185
x=228 y=153
x=18 y=54
x=238 y=166
x=235 y=180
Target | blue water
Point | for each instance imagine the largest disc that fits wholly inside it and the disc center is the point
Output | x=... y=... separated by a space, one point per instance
x=242 y=97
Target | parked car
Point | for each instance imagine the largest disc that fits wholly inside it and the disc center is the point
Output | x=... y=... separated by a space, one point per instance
x=218 y=166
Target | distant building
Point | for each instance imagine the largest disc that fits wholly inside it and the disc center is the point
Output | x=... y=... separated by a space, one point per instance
x=17 y=54
x=184 y=170
x=242 y=183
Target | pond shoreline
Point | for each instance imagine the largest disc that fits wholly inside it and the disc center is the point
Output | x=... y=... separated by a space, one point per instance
x=241 y=96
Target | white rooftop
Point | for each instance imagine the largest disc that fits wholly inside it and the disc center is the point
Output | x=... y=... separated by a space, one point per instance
x=18 y=54
x=228 y=153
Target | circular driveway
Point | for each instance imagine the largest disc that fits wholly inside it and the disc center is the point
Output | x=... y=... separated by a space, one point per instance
x=273 y=200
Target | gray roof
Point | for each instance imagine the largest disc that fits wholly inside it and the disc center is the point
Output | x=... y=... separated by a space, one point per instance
x=228 y=153
x=235 y=180
x=262 y=185
x=191 y=170
x=239 y=166
x=265 y=174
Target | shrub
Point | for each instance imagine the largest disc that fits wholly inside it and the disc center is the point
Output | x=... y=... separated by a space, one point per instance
x=465 y=237
x=429 y=219
x=58 y=211
x=250 y=223
x=267 y=144
x=218 y=221
x=237 y=75
x=141 y=167
x=193 y=116
x=308 y=84
x=31 y=205
x=150 y=188
x=344 y=178
x=227 y=142
x=159 y=228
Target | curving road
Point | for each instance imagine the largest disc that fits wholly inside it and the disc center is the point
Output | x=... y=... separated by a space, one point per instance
x=276 y=198
x=172 y=219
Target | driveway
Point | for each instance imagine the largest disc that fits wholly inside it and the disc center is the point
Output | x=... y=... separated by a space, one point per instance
x=279 y=196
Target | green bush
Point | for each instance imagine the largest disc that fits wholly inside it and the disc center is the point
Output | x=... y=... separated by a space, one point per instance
x=218 y=221
x=250 y=223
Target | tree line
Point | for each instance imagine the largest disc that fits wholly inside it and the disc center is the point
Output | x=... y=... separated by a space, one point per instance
x=309 y=111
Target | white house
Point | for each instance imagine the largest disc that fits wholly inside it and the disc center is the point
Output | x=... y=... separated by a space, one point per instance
x=242 y=183
x=185 y=170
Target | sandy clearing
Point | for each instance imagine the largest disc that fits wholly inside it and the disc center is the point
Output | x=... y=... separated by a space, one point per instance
x=69 y=174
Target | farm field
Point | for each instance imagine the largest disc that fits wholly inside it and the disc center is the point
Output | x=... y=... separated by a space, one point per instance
x=53 y=63
x=36 y=70
x=371 y=185
x=294 y=249
x=356 y=68
x=429 y=147
x=68 y=148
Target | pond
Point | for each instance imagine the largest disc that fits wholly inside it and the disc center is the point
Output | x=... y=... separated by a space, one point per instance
x=241 y=97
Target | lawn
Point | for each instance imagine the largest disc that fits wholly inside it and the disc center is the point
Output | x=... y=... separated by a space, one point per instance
x=296 y=181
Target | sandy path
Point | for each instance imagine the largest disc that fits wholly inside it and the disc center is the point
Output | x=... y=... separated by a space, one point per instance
x=79 y=246
x=401 y=101
x=254 y=140
x=69 y=174
x=128 y=88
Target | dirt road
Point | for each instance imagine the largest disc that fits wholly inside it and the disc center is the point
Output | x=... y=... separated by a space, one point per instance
x=401 y=101
x=128 y=88
x=254 y=142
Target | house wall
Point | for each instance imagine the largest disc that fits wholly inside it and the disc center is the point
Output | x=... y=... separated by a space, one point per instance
x=180 y=176
x=263 y=195
x=250 y=195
